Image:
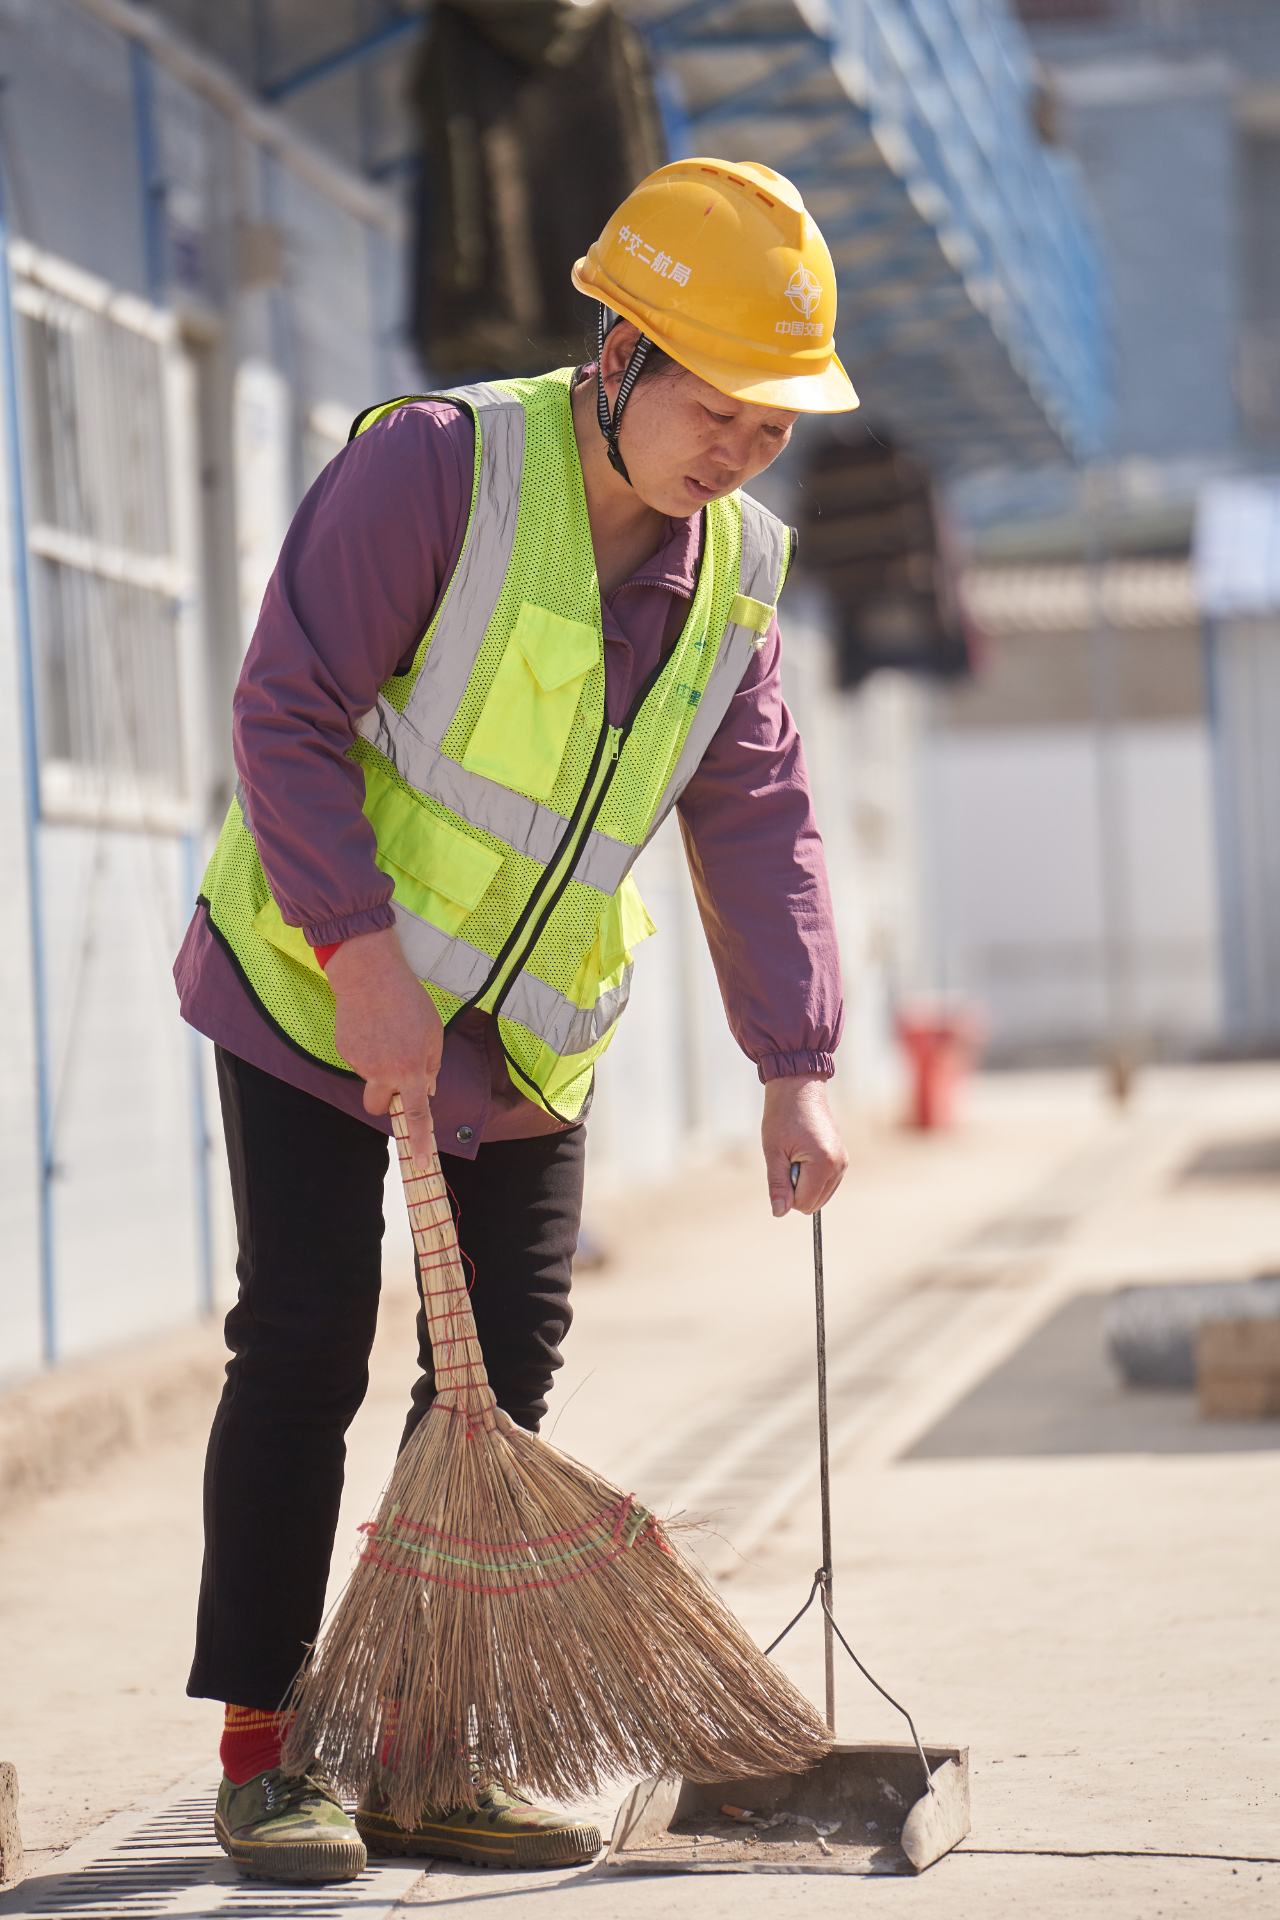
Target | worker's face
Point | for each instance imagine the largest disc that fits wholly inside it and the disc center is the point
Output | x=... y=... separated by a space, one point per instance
x=685 y=442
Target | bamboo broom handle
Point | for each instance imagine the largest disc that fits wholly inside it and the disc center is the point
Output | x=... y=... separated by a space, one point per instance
x=459 y=1364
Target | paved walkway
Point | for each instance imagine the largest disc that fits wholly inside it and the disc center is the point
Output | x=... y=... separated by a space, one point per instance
x=1076 y=1581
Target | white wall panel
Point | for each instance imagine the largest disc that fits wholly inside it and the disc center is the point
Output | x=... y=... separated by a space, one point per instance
x=1246 y=672
x=1018 y=872
x=125 y=1213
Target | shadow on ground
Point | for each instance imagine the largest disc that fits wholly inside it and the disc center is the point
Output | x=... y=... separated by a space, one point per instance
x=1059 y=1394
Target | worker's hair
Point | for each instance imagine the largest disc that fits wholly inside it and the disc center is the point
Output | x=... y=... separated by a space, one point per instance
x=657 y=364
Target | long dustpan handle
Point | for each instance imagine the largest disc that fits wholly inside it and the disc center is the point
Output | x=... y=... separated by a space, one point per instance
x=824 y=1476
x=824 y=1463
x=458 y=1363
x=822 y=1582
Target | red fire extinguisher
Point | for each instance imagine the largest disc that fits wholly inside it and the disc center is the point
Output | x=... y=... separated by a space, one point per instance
x=940 y=1043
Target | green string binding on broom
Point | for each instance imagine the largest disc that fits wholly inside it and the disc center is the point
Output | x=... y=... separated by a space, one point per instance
x=480 y=1566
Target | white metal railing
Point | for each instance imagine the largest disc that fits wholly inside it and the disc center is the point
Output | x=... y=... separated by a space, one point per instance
x=1073 y=598
x=109 y=479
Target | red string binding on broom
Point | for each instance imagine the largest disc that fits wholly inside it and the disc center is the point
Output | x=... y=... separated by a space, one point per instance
x=524 y=1549
x=456 y=1211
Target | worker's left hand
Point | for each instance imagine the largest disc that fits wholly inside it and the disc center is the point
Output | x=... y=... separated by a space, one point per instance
x=798 y=1129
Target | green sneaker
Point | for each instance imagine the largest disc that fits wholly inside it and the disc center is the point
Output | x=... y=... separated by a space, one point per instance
x=279 y=1828
x=505 y=1830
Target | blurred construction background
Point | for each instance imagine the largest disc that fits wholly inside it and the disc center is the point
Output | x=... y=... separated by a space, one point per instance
x=1033 y=643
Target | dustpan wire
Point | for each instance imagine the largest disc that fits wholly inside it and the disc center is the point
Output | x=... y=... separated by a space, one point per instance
x=820 y=1586
x=819 y=1579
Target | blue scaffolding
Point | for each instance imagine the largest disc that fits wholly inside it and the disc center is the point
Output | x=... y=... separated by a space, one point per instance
x=970 y=298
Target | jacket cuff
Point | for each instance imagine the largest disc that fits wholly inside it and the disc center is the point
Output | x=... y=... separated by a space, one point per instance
x=332 y=933
x=781 y=1066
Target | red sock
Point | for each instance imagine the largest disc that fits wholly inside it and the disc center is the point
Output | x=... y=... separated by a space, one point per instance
x=251 y=1742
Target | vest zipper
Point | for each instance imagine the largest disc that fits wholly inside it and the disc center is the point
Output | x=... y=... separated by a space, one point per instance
x=560 y=873
x=515 y=950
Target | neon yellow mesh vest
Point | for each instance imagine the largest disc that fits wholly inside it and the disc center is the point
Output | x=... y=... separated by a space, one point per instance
x=508 y=810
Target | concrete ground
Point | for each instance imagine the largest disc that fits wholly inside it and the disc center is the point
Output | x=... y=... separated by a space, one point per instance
x=1076 y=1580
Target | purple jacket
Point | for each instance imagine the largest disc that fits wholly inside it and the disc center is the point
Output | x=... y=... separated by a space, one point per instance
x=362 y=567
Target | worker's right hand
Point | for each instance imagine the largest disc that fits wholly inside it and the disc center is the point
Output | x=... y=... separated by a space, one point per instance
x=387 y=1029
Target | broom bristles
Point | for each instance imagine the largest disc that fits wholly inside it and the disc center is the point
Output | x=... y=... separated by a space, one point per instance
x=546 y=1633
x=514 y=1617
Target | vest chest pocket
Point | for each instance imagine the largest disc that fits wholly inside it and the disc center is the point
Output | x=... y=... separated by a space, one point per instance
x=271 y=925
x=624 y=923
x=440 y=874
x=524 y=725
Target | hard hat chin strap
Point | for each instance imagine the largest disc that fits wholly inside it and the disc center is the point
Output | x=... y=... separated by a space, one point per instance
x=609 y=425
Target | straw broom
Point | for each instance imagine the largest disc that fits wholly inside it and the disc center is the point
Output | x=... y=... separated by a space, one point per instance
x=514 y=1617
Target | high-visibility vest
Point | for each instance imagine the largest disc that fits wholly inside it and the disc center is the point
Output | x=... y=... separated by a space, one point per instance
x=508 y=809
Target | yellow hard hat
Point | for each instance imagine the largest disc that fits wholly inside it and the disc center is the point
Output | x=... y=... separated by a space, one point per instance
x=718 y=264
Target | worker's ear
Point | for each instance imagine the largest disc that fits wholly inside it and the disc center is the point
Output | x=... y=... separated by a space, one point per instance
x=619 y=345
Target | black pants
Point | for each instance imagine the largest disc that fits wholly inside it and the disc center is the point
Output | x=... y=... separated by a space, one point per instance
x=306 y=1180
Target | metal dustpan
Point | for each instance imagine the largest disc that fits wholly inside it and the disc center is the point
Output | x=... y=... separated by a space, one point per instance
x=852 y=1813
x=860 y=1810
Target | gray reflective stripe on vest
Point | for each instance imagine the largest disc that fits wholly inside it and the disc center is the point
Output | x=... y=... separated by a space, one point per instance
x=461 y=969
x=450 y=963
x=564 y=1027
x=604 y=863
x=765 y=551
x=474 y=591
x=523 y=824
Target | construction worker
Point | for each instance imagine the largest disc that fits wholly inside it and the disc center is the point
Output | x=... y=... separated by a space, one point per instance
x=511 y=627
